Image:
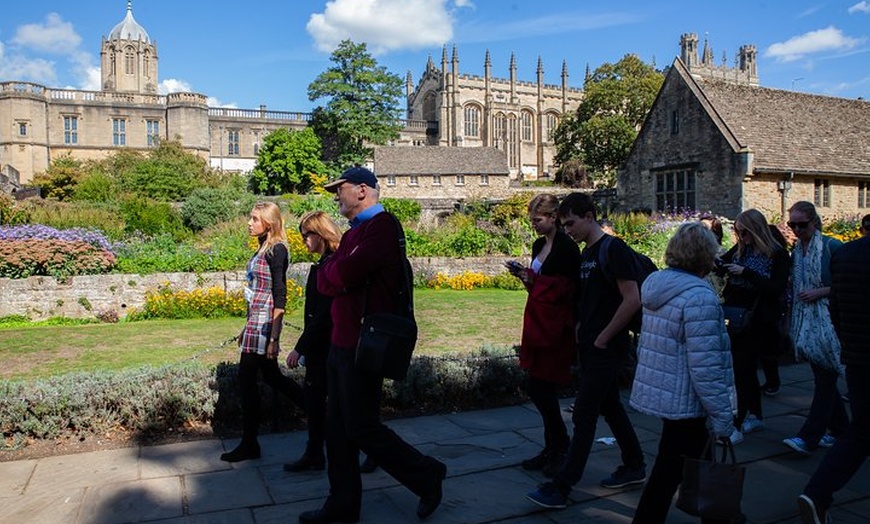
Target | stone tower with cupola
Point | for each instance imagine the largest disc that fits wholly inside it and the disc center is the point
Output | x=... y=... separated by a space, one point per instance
x=128 y=58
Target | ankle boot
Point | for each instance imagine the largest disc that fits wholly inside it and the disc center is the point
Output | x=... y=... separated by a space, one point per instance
x=247 y=449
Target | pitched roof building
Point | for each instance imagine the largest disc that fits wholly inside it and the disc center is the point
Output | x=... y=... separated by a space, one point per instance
x=457 y=173
x=726 y=147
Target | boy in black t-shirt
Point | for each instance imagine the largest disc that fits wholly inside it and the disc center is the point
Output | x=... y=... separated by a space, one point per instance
x=606 y=305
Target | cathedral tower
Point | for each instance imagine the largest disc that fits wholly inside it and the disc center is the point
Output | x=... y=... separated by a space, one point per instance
x=128 y=58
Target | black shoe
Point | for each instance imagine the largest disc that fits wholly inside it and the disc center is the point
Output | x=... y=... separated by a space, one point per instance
x=306 y=463
x=246 y=450
x=368 y=466
x=771 y=390
x=538 y=461
x=321 y=516
x=429 y=503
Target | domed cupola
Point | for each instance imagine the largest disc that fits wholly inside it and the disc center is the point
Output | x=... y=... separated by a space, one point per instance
x=128 y=58
x=129 y=29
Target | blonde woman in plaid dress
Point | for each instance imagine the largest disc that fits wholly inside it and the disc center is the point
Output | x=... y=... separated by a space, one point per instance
x=259 y=341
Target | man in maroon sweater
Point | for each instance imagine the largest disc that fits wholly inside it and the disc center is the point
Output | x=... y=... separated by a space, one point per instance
x=368 y=261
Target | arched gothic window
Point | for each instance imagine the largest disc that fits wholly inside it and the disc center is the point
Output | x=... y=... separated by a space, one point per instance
x=146 y=64
x=129 y=61
x=472 y=120
x=551 y=122
x=526 y=125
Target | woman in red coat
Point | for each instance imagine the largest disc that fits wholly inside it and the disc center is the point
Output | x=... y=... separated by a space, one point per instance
x=547 y=350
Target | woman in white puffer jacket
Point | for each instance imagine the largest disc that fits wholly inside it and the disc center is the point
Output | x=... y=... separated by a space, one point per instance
x=684 y=370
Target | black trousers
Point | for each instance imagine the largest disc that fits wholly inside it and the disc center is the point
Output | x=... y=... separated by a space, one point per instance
x=544 y=394
x=315 y=402
x=250 y=365
x=686 y=437
x=352 y=424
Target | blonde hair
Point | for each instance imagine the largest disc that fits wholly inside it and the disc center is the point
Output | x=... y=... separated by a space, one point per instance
x=692 y=248
x=754 y=222
x=270 y=214
x=544 y=204
x=325 y=227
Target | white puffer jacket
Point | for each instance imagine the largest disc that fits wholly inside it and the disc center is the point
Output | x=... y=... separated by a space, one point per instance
x=684 y=367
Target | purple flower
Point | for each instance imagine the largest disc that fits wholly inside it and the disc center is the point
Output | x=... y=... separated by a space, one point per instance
x=41 y=232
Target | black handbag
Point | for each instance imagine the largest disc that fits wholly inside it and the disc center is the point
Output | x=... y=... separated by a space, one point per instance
x=712 y=489
x=738 y=320
x=387 y=340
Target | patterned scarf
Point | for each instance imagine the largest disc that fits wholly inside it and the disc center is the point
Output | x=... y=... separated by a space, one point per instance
x=811 y=328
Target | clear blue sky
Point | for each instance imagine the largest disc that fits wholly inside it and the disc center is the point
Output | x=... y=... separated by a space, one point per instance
x=243 y=54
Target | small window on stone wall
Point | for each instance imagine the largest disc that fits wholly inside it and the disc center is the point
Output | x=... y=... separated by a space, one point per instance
x=391 y=180
x=675 y=190
x=413 y=180
x=436 y=180
x=863 y=194
x=822 y=193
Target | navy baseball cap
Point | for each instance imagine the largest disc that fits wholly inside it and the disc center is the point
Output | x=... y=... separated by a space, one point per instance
x=354 y=175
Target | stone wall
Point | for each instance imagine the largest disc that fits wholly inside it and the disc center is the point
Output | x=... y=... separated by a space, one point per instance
x=87 y=296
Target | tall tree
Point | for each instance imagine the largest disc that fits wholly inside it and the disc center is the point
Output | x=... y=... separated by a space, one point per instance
x=288 y=162
x=617 y=99
x=363 y=105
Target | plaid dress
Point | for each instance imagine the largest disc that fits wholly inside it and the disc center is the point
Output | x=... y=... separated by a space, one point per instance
x=258 y=294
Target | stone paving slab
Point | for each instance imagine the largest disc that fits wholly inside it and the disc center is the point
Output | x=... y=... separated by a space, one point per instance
x=135 y=501
x=85 y=469
x=235 y=516
x=180 y=459
x=206 y=492
x=14 y=476
x=44 y=507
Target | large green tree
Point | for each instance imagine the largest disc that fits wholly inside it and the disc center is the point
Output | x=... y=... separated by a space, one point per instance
x=363 y=106
x=288 y=162
x=600 y=134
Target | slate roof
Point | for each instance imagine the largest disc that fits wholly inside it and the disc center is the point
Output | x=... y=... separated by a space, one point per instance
x=790 y=131
x=439 y=160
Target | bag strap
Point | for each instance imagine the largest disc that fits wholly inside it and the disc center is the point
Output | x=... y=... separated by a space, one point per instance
x=406 y=277
x=727 y=449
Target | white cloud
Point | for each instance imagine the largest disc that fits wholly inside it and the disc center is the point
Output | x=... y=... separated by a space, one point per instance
x=827 y=39
x=54 y=36
x=384 y=25
x=860 y=7
x=17 y=67
x=214 y=102
x=463 y=3
x=173 y=85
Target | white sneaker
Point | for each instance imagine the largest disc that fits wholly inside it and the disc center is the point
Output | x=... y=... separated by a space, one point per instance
x=751 y=424
x=736 y=437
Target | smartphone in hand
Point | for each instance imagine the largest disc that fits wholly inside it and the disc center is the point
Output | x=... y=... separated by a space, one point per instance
x=514 y=267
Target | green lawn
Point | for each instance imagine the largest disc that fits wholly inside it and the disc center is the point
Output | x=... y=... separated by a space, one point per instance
x=450 y=322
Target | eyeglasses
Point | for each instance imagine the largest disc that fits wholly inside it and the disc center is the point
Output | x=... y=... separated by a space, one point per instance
x=798 y=225
x=306 y=234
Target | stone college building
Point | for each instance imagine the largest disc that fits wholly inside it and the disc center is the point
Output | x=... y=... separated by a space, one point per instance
x=445 y=109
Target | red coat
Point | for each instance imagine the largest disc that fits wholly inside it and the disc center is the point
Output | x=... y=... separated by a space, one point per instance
x=547 y=349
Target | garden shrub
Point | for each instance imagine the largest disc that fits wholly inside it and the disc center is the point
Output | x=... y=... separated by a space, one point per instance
x=468 y=280
x=207 y=207
x=152 y=400
x=13 y=212
x=214 y=302
x=55 y=258
x=406 y=210
x=151 y=218
x=515 y=207
x=298 y=205
x=162 y=254
x=145 y=400
x=106 y=218
x=61 y=178
x=844 y=228
x=96 y=186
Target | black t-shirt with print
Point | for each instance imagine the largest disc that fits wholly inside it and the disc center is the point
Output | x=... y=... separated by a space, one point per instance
x=599 y=295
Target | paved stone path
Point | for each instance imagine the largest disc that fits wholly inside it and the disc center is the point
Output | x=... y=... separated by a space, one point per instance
x=188 y=484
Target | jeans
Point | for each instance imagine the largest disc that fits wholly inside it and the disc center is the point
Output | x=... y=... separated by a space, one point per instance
x=598 y=394
x=353 y=423
x=251 y=364
x=826 y=411
x=848 y=454
x=545 y=396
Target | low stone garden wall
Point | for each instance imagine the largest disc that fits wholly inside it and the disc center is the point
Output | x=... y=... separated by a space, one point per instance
x=86 y=296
